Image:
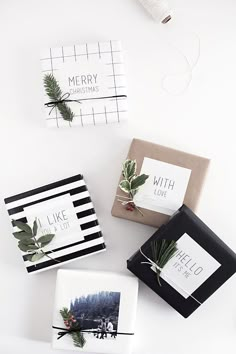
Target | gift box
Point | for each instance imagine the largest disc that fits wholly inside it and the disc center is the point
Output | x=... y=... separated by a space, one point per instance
x=55 y=223
x=174 y=178
x=84 y=84
x=94 y=311
x=184 y=262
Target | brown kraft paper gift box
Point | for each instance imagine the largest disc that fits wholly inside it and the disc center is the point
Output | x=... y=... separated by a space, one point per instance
x=188 y=175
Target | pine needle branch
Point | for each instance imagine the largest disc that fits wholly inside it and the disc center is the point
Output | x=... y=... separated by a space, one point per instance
x=71 y=323
x=55 y=94
x=78 y=339
x=162 y=251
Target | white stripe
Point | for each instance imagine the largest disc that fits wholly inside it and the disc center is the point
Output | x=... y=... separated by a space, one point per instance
x=91 y=230
x=68 y=251
x=69 y=261
x=84 y=207
x=88 y=218
x=45 y=194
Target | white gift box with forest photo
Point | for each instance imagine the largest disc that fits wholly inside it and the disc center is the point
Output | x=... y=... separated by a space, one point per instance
x=84 y=84
x=94 y=312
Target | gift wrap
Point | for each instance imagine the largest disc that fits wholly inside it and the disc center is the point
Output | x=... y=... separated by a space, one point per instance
x=100 y=309
x=175 y=177
x=201 y=264
x=91 y=73
x=63 y=208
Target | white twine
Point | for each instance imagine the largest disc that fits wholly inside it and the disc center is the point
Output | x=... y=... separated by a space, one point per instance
x=161 y=12
x=158 y=9
x=157 y=268
x=186 y=75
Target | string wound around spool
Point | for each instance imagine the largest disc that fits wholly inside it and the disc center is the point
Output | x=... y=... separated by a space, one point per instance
x=158 y=9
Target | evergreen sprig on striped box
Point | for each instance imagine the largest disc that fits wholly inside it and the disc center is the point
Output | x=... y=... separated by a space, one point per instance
x=63 y=209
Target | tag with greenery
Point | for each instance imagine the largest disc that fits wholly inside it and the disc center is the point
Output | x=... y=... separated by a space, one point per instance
x=162 y=251
x=130 y=184
x=72 y=324
x=29 y=242
x=55 y=94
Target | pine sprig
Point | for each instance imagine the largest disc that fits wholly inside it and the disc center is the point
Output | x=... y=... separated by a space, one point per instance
x=55 y=94
x=71 y=323
x=28 y=241
x=130 y=184
x=162 y=251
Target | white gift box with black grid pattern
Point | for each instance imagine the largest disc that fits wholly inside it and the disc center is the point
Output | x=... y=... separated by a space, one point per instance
x=93 y=74
x=63 y=208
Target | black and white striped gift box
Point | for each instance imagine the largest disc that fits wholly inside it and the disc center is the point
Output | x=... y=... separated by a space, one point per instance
x=86 y=240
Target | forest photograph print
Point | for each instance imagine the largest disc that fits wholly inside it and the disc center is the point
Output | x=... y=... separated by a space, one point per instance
x=94 y=315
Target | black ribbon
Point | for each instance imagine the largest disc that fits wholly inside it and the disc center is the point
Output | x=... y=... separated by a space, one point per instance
x=65 y=99
x=81 y=330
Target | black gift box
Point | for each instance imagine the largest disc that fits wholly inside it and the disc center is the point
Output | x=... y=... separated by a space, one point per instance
x=202 y=263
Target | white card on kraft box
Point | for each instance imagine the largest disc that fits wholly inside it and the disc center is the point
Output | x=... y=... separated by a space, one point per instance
x=165 y=189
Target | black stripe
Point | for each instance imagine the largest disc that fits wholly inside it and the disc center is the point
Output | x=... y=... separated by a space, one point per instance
x=89 y=224
x=81 y=201
x=85 y=213
x=67 y=257
x=87 y=238
x=71 y=192
x=43 y=188
x=22 y=220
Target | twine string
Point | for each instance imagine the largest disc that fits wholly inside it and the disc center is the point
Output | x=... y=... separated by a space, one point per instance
x=159 y=269
x=64 y=331
x=65 y=99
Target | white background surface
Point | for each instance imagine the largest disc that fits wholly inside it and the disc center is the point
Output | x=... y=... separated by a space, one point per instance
x=201 y=121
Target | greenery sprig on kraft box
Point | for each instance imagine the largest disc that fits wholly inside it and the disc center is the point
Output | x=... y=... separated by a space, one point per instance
x=130 y=184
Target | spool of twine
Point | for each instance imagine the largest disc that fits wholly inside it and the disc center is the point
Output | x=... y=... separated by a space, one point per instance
x=158 y=9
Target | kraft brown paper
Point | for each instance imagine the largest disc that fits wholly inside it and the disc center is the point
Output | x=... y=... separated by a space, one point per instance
x=140 y=149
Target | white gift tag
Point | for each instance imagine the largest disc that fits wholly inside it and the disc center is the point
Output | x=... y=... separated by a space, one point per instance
x=165 y=189
x=56 y=216
x=190 y=267
x=89 y=79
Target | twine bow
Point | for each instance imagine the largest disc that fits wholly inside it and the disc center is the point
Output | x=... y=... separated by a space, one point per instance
x=63 y=99
x=65 y=331
x=150 y=262
x=159 y=269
